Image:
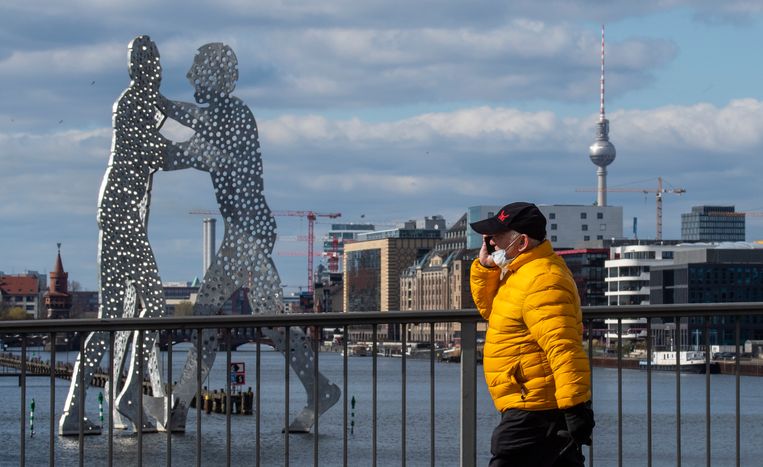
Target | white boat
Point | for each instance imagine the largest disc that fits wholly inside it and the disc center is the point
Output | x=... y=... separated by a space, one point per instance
x=452 y=354
x=419 y=350
x=357 y=350
x=689 y=361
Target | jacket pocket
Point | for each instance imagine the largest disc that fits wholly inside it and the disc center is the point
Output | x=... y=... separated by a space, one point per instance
x=511 y=380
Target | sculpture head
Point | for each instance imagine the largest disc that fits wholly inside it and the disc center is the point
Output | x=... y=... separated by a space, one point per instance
x=214 y=72
x=143 y=61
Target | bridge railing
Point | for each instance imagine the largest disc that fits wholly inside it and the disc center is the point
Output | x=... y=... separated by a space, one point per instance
x=707 y=314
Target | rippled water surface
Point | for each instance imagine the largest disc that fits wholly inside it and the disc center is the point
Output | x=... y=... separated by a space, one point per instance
x=389 y=419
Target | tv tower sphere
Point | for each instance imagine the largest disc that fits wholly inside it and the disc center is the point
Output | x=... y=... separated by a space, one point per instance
x=602 y=151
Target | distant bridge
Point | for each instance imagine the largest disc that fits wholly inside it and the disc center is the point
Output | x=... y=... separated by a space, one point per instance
x=238 y=337
x=70 y=341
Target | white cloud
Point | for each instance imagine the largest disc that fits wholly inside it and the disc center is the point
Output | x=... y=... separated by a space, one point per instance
x=66 y=60
x=733 y=129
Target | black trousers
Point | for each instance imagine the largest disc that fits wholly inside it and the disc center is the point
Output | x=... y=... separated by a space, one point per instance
x=529 y=439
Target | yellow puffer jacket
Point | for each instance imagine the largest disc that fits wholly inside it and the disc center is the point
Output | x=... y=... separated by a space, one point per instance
x=533 y=355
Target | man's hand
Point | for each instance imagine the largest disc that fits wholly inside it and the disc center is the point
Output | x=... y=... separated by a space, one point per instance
x=485 y=258
x=580 y=422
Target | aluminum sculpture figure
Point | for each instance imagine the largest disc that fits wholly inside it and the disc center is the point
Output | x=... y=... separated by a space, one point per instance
x=226 y=145
x=129 y=279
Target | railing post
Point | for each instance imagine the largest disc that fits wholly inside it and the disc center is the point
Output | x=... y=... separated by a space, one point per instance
x=468 y=393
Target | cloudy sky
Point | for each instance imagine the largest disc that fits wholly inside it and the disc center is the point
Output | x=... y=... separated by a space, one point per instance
x=384 y=111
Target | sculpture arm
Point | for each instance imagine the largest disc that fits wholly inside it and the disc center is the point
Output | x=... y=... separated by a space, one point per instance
x=182 y=112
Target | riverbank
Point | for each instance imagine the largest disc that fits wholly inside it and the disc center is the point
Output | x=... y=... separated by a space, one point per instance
x=752 y=367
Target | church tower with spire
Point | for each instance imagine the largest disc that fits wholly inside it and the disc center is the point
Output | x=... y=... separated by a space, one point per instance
x=602 y=152
x=58 y=301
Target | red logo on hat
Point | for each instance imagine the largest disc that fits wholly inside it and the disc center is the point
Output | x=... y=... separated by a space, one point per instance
x=502 y=216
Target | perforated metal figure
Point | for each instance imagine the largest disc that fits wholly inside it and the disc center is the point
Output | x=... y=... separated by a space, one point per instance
x=226 y=145
x=128 y=276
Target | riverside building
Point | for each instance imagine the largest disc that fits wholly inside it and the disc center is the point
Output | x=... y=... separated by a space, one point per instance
x=713 y=224
x=372 y=267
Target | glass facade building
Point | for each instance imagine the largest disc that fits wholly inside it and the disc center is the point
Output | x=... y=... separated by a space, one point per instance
x=713 y=275
x=363 y=276
x=713 y=224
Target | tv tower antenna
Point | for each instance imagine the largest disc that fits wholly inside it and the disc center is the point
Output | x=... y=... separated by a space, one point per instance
x=601 y=106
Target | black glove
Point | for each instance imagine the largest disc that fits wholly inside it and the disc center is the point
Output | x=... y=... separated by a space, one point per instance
x=580 y=422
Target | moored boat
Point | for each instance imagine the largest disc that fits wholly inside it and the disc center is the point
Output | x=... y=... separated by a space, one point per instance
x=689 y=361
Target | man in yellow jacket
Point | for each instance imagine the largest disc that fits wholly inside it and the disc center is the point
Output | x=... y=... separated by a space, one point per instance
x=536 y=369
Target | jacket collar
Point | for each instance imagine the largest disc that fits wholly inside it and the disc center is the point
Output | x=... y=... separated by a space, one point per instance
x=541 y=251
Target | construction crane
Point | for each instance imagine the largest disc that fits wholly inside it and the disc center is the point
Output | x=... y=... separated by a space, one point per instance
x=658 y=192
x=311 y=217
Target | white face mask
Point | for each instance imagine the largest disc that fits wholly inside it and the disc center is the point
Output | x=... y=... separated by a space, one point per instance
x=499 y=256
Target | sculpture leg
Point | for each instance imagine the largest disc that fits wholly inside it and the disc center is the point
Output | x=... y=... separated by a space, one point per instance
x=302 y=362
x=155 y=370
x=156 y=404
x=266 y=298
x=185 y=390
x=121 y=341
x=69 y=424
x=126 y=402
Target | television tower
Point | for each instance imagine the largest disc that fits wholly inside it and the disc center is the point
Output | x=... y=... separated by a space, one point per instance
x=602 y=152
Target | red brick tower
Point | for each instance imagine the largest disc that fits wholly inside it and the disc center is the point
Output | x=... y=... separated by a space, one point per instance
x=58 y=302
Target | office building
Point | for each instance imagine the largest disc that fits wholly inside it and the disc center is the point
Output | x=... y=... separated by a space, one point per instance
x=372 y=267
x=718 y=273
x=713 y=224
x=628 y=281
x=373 y=264
x=628 y=270
x=337 y=237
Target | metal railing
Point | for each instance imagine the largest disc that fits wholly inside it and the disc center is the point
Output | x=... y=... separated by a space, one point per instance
x=344 y=321
x=466 y=318
x=674 y=314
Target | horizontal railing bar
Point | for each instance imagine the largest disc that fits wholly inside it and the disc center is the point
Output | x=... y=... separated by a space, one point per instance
x=243 y=321
x=357 y=318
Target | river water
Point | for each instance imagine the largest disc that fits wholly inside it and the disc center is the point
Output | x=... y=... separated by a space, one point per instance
x=389 y=391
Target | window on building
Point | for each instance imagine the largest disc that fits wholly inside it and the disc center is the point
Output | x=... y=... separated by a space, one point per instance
x=583 y=215
x=552 y=215
x=584 y=227
x=602 y=227
x=586 y=237
x=600 y=237
x=600 y=215
x=553 y=226
x=553 y=238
